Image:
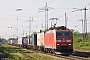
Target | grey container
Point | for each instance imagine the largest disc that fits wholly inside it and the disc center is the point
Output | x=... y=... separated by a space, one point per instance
x=34 y=39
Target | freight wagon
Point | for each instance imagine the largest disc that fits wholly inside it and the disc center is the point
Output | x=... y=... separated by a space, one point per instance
x=12 y=42
x=38 y=41
x=23 y=41
x=9 y=41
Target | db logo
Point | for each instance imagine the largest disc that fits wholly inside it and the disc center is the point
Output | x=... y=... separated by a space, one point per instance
x=63 y=40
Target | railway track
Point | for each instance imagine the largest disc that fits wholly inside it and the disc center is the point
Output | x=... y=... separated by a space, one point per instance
x=76 y=55
x=70 y=57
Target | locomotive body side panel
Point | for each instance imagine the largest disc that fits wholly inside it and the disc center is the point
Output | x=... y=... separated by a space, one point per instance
x=50 y=41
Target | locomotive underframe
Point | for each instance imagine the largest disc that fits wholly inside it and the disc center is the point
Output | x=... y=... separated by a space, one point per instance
x=65 y=49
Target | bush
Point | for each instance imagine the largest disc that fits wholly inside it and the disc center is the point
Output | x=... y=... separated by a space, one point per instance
x=78 y=40
x=81 y=44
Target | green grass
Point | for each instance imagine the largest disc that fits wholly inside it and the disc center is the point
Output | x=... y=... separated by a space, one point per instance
x=15 y=53
x=84 y=45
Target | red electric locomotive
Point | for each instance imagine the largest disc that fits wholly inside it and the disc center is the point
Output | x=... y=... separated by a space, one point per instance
x=59 y=39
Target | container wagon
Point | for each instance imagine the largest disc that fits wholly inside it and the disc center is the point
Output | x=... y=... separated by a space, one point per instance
x=10 y=42
x=23 y=41
x=40 y=40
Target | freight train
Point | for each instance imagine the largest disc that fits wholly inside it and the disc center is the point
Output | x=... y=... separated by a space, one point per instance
x=58 y=39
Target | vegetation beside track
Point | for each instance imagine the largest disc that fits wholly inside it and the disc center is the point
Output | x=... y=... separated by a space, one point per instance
x=16 y=53
x=80 y=43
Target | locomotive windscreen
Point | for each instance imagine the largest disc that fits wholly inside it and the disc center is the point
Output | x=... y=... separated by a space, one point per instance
x=62 y=34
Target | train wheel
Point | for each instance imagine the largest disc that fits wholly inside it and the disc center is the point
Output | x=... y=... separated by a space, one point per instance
x=46 y=50
x=53 y=51
x=42 y=49
x=49 y=50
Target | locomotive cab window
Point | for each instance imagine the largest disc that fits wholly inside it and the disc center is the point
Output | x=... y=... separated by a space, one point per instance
x=66 y=34
x=59 y=34
x=62 y=34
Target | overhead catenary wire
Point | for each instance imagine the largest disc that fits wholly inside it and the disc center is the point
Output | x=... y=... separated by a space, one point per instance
x=85 y=21
x=67 y=7
x=38 y=3
x=70 y=8
x=50 y=2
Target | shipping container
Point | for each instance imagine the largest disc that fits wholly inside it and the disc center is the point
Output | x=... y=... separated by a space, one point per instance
x=20 y=40
x=14 y=41
x=9 y=41
x=23 y=41
x=29 y=40
x=40 y=39
x=34 y=39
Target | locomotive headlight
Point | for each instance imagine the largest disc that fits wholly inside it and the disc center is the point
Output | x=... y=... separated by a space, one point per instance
x=58 y=44
x=68 y=40
x=58 y=40
x=69 y=44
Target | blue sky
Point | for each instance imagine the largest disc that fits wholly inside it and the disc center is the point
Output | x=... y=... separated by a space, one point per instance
x=30 y=8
